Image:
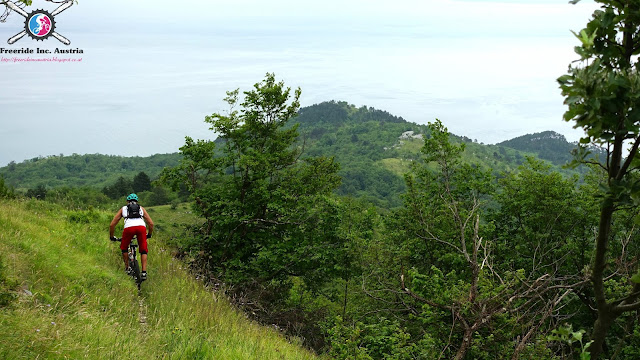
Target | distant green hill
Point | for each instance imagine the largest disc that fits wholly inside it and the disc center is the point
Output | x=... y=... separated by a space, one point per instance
x=366 y=142
x=547 y=145
x=374 y=148
x=93 y=170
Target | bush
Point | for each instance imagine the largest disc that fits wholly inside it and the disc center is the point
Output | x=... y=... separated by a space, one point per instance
x=383 y=340
x=40 y=192
x=5 y=191
x=83 y=216
x=79 y=198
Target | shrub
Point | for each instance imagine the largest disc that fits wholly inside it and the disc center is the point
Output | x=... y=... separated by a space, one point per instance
x=39 y=192
x=6 y=192
x=384 y=340
x=84 y=216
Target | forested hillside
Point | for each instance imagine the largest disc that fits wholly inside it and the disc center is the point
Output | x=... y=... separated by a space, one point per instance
x=547 y=145
x=373 y=148
x=75 y=170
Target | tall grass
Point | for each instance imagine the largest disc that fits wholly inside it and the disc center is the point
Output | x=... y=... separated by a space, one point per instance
x=72 y=300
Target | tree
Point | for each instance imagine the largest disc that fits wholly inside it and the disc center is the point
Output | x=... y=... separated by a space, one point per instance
x=445 y=206
x=141 y=182
x=542 y=221
x=122 y=187
x=602 y=93
x=453 y=272
x=268 y=212
x=6 y=192
x=157 y=196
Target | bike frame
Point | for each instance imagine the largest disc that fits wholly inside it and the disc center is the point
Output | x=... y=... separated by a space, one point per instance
x=133 y=261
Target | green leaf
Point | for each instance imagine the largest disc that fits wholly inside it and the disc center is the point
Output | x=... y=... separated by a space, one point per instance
x=586 y=355
x=565 y=79
x=578 y=335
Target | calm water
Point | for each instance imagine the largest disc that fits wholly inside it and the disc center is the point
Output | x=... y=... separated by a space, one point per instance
x=136 y=93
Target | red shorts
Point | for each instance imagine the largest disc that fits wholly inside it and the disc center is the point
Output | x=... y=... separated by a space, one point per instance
x=127 y=235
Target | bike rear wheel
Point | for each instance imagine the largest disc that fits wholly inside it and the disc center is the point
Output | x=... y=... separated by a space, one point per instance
x=135 y=267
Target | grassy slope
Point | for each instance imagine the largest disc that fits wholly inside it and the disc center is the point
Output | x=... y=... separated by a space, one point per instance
x=72 y=299
x=486 y=156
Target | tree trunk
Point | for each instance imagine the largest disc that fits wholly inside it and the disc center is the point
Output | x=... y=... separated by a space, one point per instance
x=600 y=329
x=466 y=344
x=605 y=313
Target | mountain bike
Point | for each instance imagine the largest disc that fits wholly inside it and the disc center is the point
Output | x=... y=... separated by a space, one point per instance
x=133 y=260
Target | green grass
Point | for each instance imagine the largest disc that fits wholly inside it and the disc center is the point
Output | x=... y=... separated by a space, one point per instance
x=397 y=166
x=171 y=223
x=71 y=299
x=170 y=219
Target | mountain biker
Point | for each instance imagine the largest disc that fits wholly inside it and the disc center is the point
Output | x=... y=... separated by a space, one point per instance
x=135 y=220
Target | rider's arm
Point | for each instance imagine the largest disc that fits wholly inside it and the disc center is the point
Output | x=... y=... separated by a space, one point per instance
x=148 y=220
x=114 y=222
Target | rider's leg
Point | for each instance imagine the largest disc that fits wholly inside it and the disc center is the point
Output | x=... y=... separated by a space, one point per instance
x=125 y=257
x=143 y=259
x=142 y=241
x=127 y=235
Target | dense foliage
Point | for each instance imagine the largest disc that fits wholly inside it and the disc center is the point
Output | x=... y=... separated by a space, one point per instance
x=268 y=212
x=472 y=263
x=470 y=267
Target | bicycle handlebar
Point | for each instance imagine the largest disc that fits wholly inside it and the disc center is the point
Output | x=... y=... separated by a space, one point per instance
x=113 y=238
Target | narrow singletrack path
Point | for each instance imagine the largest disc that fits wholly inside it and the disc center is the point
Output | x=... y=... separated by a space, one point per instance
x=142 y=313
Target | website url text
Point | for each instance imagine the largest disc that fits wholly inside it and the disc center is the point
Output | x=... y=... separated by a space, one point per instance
x=29 y=59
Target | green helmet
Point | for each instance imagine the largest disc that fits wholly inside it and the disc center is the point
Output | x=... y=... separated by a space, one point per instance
x=132 y=197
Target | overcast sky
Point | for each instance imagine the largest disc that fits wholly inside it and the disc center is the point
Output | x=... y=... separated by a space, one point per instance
x=152 y=70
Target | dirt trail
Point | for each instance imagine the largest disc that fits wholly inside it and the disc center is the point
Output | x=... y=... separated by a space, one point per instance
x=142 y=313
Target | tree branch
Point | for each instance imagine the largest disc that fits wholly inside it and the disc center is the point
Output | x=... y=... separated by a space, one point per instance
x=420 y=298
x=632 y=154
x=433 y=237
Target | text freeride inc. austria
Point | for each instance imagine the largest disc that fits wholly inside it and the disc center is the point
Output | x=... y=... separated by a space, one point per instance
x=41 y=51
